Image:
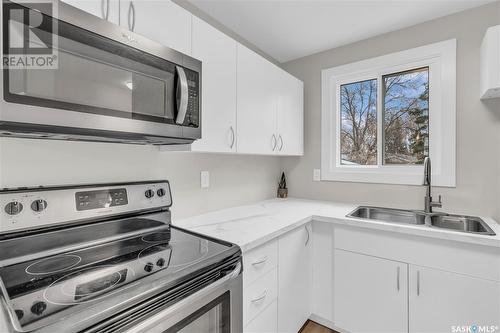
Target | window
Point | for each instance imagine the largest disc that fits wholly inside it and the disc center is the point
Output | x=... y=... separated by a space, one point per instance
x=383 y=116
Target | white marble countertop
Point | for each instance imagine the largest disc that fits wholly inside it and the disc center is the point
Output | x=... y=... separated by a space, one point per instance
x=252 y=225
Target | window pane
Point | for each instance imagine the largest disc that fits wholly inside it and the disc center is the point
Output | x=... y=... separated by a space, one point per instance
x=406 y=117
x=358 y=124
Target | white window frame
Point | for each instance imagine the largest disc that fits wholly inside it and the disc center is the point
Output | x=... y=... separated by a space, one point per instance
x=441 y=60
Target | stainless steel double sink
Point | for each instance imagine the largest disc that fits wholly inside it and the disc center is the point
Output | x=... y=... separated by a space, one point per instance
x=460 y=223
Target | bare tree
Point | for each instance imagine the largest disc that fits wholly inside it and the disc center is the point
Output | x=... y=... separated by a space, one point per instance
x=359 y=122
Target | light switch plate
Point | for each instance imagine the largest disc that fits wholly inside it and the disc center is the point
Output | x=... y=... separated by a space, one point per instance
x=316 y=175
x=205 y=179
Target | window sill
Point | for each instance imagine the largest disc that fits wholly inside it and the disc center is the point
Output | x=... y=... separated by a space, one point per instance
x=403 y=176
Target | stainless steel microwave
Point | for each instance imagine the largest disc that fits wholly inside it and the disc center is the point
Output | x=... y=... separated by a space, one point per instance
x=70 y=75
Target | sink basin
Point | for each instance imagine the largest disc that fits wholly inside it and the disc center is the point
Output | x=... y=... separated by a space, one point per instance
x=388 y=215
x=462 y=223
x=467 y=224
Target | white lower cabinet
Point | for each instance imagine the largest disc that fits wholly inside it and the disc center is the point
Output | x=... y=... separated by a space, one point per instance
x=442 y=300
x=294 y=279
x=267 y=321
x=258 y=295
x=260 y=288
x=370 y=294
x=381 y=285
x=360 y=280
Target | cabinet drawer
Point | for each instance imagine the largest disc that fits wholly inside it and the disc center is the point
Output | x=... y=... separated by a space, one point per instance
x=259 y=261
x=266 y=321
x=259 y=294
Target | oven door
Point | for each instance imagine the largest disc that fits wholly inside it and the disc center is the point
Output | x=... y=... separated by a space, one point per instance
x=215 y=309
x=96 y=81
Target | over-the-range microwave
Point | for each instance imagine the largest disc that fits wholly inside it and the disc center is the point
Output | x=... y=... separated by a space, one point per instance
x=70 y=75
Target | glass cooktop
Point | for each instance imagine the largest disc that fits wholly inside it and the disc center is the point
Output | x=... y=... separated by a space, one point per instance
x=44 y=284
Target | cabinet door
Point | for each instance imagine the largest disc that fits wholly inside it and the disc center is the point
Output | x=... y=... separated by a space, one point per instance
x=294 y=279
x=290 y=116
x=218 y=54
x=256 y=100
x=162 y=21
x=105 y=9
x=322 y=270
x=441 y=300
x=370 y=294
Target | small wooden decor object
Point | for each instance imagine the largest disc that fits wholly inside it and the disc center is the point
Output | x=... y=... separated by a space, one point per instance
x=282 y=190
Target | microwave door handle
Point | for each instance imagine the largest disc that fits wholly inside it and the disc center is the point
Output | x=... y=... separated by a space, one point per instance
x=182 y=94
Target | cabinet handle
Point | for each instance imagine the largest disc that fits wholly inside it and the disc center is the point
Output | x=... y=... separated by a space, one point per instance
x=105 y=9
x=273 y=142
x=399 y=269
x=260 y=298
x=131 y=16
x=418 y=283
x=308 y=236
x=232 y=137
x=280 y=139
x=260 y=261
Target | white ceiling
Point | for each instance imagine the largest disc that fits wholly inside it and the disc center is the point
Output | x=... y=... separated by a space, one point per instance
x=290 y=29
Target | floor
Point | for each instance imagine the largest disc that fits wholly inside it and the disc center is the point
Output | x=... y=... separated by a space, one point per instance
x=312 y=327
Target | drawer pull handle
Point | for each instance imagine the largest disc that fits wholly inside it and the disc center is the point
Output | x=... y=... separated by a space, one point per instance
x=260 y=261
x=398 y=273
x=418 y=283
x=260 y=298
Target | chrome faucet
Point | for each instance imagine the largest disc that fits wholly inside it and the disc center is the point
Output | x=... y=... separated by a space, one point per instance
x=429 y=204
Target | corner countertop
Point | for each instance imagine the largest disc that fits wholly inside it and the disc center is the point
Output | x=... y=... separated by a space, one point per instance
x=252 y=225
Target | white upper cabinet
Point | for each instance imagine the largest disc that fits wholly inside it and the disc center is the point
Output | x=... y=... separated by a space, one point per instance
x=217 y=51
x=257 y=102
x=270 y=107
x=294 y=279
x=160 y=20
x=290 y=115
x=490 y=63
x=105 y=9
x=440 y=300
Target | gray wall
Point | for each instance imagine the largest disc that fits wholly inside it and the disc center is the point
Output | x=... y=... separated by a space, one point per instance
x=478 y=123
x=234 y=179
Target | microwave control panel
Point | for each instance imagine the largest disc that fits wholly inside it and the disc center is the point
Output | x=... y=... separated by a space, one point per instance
x=193 y=109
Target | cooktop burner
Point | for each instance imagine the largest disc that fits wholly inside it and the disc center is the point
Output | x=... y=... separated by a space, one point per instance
x=53 y=265
x=157 y=237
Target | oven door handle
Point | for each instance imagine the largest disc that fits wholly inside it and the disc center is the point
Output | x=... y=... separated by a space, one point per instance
x=182 y=95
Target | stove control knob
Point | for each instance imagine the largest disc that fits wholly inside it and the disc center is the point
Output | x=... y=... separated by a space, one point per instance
x=160 y=262
x=39 y=205
x=38 y=308
x=13 y=208
x=19 y=314
x=149 y=267
x=149 y=194
x=161 y=192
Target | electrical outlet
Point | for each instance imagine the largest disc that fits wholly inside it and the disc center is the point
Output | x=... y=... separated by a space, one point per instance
x=205 y=179
x=316 y=175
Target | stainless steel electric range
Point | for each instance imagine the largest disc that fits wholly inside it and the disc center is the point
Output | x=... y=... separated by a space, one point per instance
x=105 y=258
